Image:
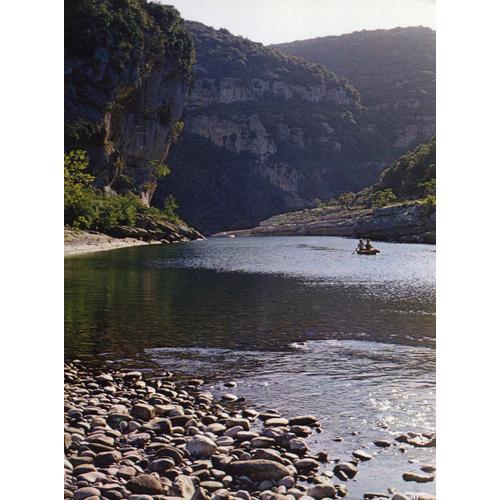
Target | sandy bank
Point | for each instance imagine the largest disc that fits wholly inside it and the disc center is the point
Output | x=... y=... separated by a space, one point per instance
x=81 y=242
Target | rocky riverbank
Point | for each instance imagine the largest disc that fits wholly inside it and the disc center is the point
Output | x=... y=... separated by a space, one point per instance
x=406 y=223
x=80 y=242
x=157 y=437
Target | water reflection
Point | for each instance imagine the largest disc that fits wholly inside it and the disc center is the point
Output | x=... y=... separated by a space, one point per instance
x=136 y=298
x=301 y=323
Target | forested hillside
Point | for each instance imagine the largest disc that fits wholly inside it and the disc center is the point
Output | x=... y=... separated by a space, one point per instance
x=395 y=72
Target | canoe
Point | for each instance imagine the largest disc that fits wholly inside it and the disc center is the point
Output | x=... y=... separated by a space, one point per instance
x=373 y=251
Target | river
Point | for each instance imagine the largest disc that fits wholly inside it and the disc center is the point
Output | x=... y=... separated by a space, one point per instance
x=302 y=325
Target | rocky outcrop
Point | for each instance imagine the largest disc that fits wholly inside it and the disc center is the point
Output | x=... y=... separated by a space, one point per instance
x=410 y=222
x=156 y=229
x=127 y=76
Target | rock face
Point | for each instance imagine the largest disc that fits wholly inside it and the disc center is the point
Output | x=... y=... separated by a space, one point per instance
x=127 y=75
x=412 y=222
x=264 y=133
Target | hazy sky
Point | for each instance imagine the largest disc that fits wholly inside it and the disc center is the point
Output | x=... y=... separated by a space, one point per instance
x=273 y=21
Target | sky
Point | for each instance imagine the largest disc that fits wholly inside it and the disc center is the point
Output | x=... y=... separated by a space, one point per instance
x=275 y=21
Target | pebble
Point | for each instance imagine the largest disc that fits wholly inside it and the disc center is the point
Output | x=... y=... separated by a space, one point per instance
x=229 y=397
x=276 y=422
x=83 y=493
x=145 y=483
x=201 y=446
x=304 y=420
x=418 y=478
x=321 y=491
x=362 y=455
x=345 y=470
x=428 y=468
x=259 y=470
x=306 y=465
x=143 y=412
x=92 y=477
x=381 y=443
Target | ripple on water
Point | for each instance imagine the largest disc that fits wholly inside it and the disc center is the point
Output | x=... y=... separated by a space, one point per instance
x=360 y=390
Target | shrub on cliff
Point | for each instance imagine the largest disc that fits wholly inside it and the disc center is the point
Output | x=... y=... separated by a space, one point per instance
x=383 y=198
x=88 y=208
x=414 y=174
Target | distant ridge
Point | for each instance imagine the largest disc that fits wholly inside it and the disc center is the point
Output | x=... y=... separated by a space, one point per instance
x=395 y=72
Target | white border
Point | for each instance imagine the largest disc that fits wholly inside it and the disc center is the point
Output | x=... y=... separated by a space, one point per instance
x=468 y=243
x=468 y=236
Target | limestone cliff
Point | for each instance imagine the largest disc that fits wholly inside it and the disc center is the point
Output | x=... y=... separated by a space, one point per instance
x=264 y=133
x=127 y=76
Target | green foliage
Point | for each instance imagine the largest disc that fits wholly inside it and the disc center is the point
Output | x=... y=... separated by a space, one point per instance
x=429 y=203
x=414 y=174
x=87 y=208
x=128 y=30
x=428 y=187
x=82 y=134
x=411 y=177
x=383 y=198
x=222 y=53
x=78 y=207
x=177 y=129
x=159 y=169
x=170 y=207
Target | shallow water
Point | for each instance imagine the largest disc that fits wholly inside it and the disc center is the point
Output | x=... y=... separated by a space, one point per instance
x=301 y=323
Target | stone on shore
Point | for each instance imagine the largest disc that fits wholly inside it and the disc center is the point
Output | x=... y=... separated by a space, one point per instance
x=382 y=443
x=86 y=492
x=259 y=470
x=201 y=446
x=362 y=455
x=345 y=470
x=145 y=483
x=308 y=420
x=322 y=491
x=418 y=478
x=143 y=411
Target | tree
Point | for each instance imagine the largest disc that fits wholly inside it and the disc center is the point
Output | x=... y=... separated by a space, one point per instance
x=79 y=207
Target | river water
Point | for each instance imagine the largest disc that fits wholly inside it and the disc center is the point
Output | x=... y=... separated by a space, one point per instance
x=302 y=325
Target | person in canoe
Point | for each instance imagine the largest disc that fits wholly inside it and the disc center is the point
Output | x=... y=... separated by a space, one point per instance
x=365 y=248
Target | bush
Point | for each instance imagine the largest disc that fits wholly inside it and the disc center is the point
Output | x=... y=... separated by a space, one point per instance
x=159 y=169
x=383 y=198
x=87 y=208
x=170 y=207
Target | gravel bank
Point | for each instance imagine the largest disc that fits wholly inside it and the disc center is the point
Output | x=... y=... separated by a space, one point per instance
x=131 y=437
